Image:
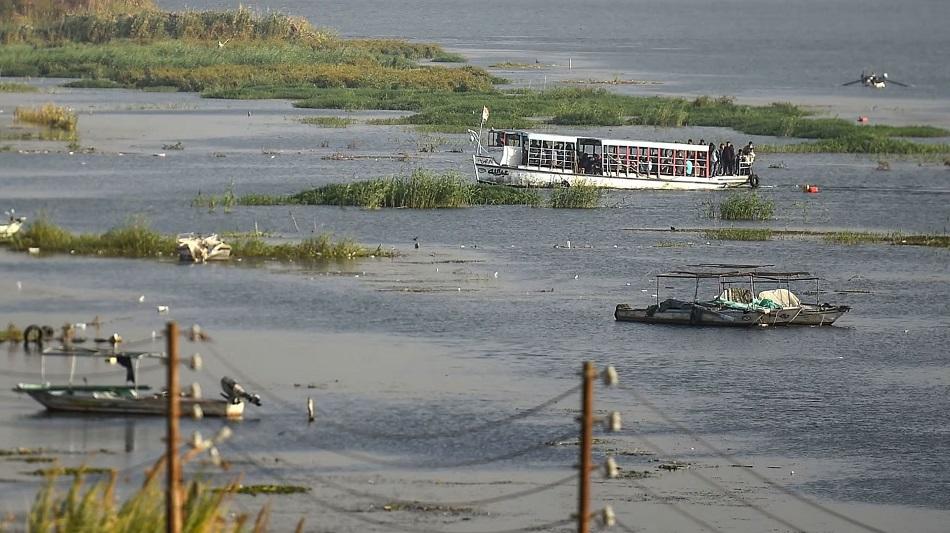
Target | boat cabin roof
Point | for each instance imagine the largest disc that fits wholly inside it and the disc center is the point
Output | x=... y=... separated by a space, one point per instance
x=608 y=142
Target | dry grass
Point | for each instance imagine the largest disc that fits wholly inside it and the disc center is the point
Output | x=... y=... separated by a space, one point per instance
x=49 y=115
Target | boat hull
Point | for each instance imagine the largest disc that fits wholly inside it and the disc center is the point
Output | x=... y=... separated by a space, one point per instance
x=487 y=170
x=693 y=316
x=105 y=403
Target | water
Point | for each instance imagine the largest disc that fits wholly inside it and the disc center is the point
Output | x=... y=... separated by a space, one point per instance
x=434 y=339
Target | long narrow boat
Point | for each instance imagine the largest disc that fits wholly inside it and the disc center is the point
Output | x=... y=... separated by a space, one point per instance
x=130 y=398
x=739 y=290
x=695 y=312
x=541 y=160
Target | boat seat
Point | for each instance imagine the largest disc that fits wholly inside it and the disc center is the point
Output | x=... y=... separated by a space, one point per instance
x=783 y=297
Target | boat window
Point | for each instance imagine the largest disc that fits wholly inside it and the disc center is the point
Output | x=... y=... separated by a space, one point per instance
x=555 y=155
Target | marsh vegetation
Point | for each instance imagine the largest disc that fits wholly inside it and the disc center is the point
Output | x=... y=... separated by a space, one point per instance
x=744 y=205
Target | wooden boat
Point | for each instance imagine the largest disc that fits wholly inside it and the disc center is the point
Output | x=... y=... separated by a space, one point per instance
x=786 y=309
x=691 y=313
x=193 y=248
x=688 y=314
x=131 y=398
x=542 y=160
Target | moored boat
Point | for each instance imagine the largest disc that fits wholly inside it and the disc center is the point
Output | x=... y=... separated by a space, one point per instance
x=13 y=225
x=785 y=308
x=542 y=160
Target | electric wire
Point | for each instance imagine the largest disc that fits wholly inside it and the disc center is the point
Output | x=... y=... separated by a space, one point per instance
x=382 y=462
x=272 y=473
x=376 y=497
x=723 y=455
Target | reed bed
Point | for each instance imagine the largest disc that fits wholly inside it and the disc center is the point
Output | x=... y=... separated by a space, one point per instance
x=10 y=87
x=49 y=115
x=12 y=334
x=419 y=190
x=741 y=206
x=328 y=122
x=739 y=234
x=137 y=240
x=578 y=196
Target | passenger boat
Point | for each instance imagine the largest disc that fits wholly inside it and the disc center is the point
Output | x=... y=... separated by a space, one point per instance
x=130 y=398
x=193 y=248
x=692 y=313
x=541 y=160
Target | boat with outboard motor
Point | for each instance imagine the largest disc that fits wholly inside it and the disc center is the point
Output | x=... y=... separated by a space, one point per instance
x=529 y=159
x=130 y=398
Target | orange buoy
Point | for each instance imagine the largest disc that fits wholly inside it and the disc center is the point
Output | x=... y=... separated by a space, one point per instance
x=811 y=188
x=863 y=119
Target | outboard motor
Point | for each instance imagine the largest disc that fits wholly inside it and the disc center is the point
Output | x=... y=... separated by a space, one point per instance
x=235 y=393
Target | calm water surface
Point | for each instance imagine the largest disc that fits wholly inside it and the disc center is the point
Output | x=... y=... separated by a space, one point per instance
x=869 y=397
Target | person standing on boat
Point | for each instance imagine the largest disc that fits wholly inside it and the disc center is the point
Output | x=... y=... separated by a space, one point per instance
x=713 y=160
x=730 y=158
x=721 y=167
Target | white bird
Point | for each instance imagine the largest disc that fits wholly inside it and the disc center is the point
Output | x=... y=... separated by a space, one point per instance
x=19 y=285
x=221 y=45
x=575 y=276
x=496 y=275
x=141 y=298
x=162 y=308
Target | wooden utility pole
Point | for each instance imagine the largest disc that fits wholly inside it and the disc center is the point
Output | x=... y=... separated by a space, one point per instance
x=587 y=427
x=173 y=492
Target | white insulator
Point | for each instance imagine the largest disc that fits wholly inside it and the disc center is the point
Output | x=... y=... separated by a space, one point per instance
x=607 y=517
x=614 y=423
x=610 y=376
x=196 y=391
x=111 y=360
x=611 y=470
x=215 y=456
x=196 y=440
x=223 y=434
x=115 y=338
x=195 y=362
x=196 y=412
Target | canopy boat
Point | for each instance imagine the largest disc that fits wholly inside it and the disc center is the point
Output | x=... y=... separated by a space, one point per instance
x=542 y=160
x=193 y=248
x=787 y=308
x=12 y=226
x=691 y=313
x=131 y=398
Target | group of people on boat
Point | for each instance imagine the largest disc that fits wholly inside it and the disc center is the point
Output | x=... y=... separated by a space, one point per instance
x=727 y=161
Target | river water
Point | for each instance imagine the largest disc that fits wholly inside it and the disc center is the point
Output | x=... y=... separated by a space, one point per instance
x=494 y=312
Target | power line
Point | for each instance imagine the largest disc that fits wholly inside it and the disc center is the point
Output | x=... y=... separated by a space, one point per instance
x=760 y=477
x=383 y=523
x=456 y=432
x=484 y=501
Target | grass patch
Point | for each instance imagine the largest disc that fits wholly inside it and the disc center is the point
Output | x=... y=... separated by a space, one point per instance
x=228 y=200
x=49 y=115
x=579 y=196
x=508 y=65
x=254 y=490
x=94 y=508
x=447 y=57
x=741 y=206
x=12 y=334
x=137 y=240
x=420 y=190
x=69 y=471
x=93 y=83
x=328 y=122
x=739 y=234
x=10 y=87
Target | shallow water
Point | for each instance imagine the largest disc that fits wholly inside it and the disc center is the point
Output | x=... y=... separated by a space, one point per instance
x=435 y=339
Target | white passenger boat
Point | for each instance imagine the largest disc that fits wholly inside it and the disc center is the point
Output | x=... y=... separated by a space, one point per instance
x=542 y=160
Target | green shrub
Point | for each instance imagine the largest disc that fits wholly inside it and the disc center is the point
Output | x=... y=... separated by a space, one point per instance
x=577 y=196
x=742 y=206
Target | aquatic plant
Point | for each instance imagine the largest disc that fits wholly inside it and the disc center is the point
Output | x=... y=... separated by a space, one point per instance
x=420 y=190
x=9 y=87
x=49 y=115
x=228 y=200
x=328 y=122
x=577 y=196
x=738 y=234
x=741 y=206
x=12 y=334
